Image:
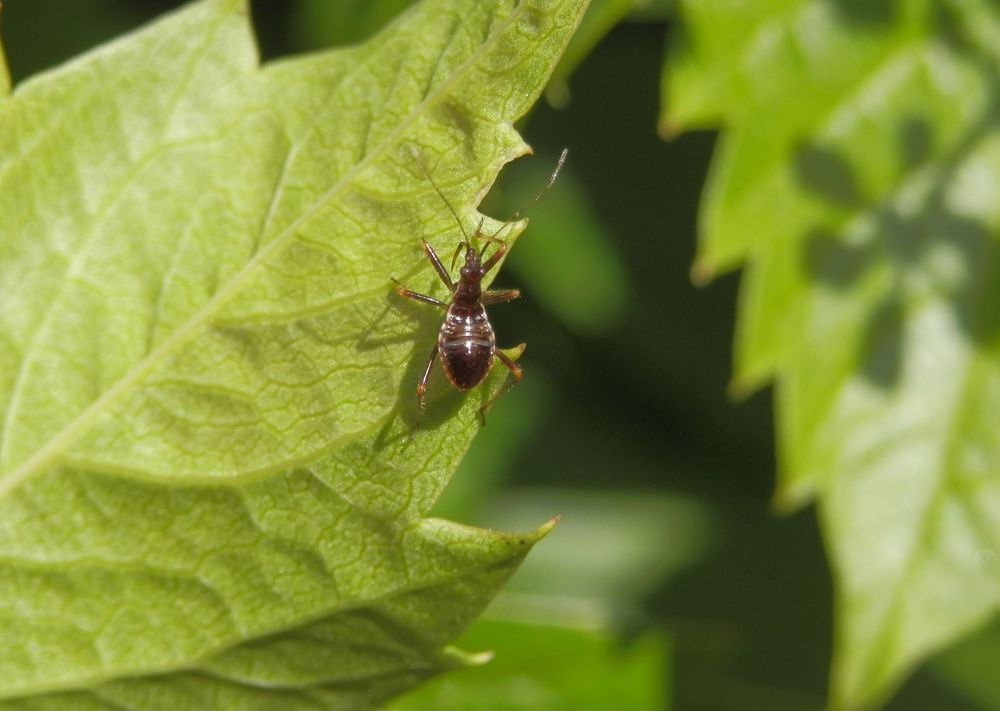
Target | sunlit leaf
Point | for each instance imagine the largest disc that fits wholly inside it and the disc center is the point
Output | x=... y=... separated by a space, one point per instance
x=212 y=494
x=856 y=181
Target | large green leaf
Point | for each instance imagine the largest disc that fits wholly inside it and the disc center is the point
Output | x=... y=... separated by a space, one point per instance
x=211 y=491
x=856 y=180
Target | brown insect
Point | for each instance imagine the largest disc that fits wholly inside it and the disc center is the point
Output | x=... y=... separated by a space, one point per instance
x=466 y=343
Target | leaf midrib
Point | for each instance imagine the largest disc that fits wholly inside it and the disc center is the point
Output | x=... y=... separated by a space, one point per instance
x=884 y=649
x=50 y=452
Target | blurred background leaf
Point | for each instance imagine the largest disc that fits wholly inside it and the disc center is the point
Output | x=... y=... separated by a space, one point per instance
x=970 y=667
x=321 y=23
x=866 y=213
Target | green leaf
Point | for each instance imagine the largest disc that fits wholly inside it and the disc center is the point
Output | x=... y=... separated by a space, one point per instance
x=602 y=17
x=553 y=628
x=492 y=458
x=211 y=489
x=855 y=181
x=544 y=665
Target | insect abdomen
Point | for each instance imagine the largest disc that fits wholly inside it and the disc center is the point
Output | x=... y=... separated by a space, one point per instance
x=466 y=344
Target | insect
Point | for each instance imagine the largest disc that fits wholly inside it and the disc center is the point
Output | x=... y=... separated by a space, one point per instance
x=466 y=344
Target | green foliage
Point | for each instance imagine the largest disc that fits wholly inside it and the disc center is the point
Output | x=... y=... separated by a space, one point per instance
x=209 y=490
x=855 y=182
x=601 y=17
x=971 y=665
x=555 y=628
x=321 y=23
x=553 y=667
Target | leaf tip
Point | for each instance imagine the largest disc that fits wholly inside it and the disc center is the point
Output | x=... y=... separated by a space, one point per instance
x=478 y=659
x=702 y=273
x=666 y=128
x=516 y=352
x=740 y=388
x=789 y=499
x=455 y=658
x=546 y=528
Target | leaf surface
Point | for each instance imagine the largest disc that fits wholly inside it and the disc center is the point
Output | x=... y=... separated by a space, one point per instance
x=209 y=492
x=855 y=181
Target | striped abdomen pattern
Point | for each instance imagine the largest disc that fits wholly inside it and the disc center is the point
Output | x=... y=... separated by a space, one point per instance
x=466 y=344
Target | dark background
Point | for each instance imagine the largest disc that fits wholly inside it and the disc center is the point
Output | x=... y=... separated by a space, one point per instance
x=631 y=404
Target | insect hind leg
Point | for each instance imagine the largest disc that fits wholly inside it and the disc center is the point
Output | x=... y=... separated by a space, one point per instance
x=422 y=386
x=515 y=370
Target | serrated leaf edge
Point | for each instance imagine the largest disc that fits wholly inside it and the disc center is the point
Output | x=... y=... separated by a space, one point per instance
x=49 y=454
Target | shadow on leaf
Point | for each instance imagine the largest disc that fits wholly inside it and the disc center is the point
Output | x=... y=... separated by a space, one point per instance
x=929 y=249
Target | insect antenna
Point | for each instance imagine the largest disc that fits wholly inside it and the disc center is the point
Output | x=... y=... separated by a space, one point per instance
x=491 y=239
x=423 y=166
x=495 y=237
x=464 y=244
x=538 y=196
x=540 y=193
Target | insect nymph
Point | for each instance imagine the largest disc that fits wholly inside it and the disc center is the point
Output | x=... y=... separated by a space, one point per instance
x=466 y=344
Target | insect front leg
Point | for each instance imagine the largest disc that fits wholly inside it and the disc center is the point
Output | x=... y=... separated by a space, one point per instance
x=406 y=293
x=438 y=266
x=495 y=257
x=515 y=370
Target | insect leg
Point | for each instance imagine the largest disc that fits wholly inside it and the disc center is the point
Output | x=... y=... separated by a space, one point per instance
x=499 y=296
x=495 y=257
x=403 y=291
x=490 y=239
x=438 y=266
x=515 y=370
x=422 y=384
